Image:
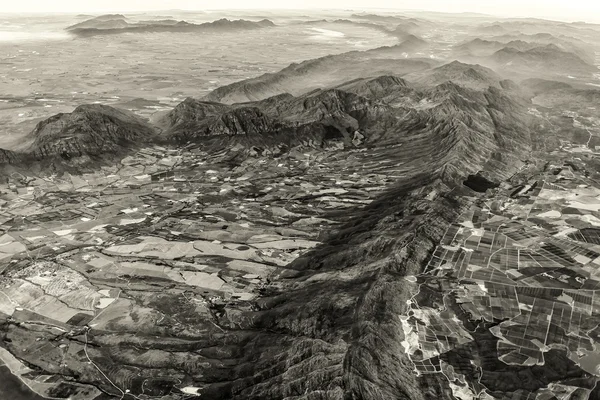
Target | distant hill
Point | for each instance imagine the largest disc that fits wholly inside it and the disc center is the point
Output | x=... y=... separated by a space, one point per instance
x=116 y=24
x=482 y=47
x=467 y=75
x=537 y=85
x=494 y=29
x=108 y=21
x=412 y=43
x=548 y=93
x=382 y=19
x=409 y=27
x=341 y=21
x=411 y=47
x=545 y=59
x=323 y=72
x=566 y=43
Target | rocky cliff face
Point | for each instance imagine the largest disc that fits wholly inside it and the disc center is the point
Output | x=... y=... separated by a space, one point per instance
x=259 y=124
x=89 y=130
x=546 y=59
x=194 y=118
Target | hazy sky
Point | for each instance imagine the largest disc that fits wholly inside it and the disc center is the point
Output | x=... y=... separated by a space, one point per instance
x=587 y=10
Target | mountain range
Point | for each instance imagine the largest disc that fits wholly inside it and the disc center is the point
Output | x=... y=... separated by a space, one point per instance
x=294 y=235
x=453 y=108
x=117 y=23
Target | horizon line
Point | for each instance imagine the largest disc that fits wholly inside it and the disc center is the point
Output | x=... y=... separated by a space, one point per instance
x=271 y=9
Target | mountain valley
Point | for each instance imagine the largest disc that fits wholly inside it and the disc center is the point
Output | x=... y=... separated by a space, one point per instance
x=414 y=220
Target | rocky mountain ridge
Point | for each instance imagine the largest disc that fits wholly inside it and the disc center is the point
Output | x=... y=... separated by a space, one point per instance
x=480 y=115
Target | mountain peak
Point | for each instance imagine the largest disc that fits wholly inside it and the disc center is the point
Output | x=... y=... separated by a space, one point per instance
x=89 y=129
x=472 y=76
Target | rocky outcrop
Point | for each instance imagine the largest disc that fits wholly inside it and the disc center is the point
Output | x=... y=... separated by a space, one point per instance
x=89 y=129
x=261 y=125
x=9 y=157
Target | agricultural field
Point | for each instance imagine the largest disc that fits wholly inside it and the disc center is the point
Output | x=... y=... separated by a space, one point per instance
x=513 y=287
x=166 y=244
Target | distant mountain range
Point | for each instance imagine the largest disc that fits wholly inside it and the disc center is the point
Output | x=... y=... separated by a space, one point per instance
x=117 y=23
x=326 y=71
x=89 y=129
x=521 y=55
x=549 y=58
x=455 y=118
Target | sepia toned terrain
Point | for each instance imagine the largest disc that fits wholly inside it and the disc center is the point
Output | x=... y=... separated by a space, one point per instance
x=299 y=205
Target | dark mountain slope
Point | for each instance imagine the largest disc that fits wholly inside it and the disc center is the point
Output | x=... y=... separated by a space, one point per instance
x=89 y=129
x=197 y=121
x=448 y=119
x=390 y=89
x=9 y=157
x=582 y=49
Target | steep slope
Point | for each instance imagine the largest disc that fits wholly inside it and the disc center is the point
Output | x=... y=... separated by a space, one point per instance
x=194 y=118
x=9 y=157
x=256 y=124
x=88 y=130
